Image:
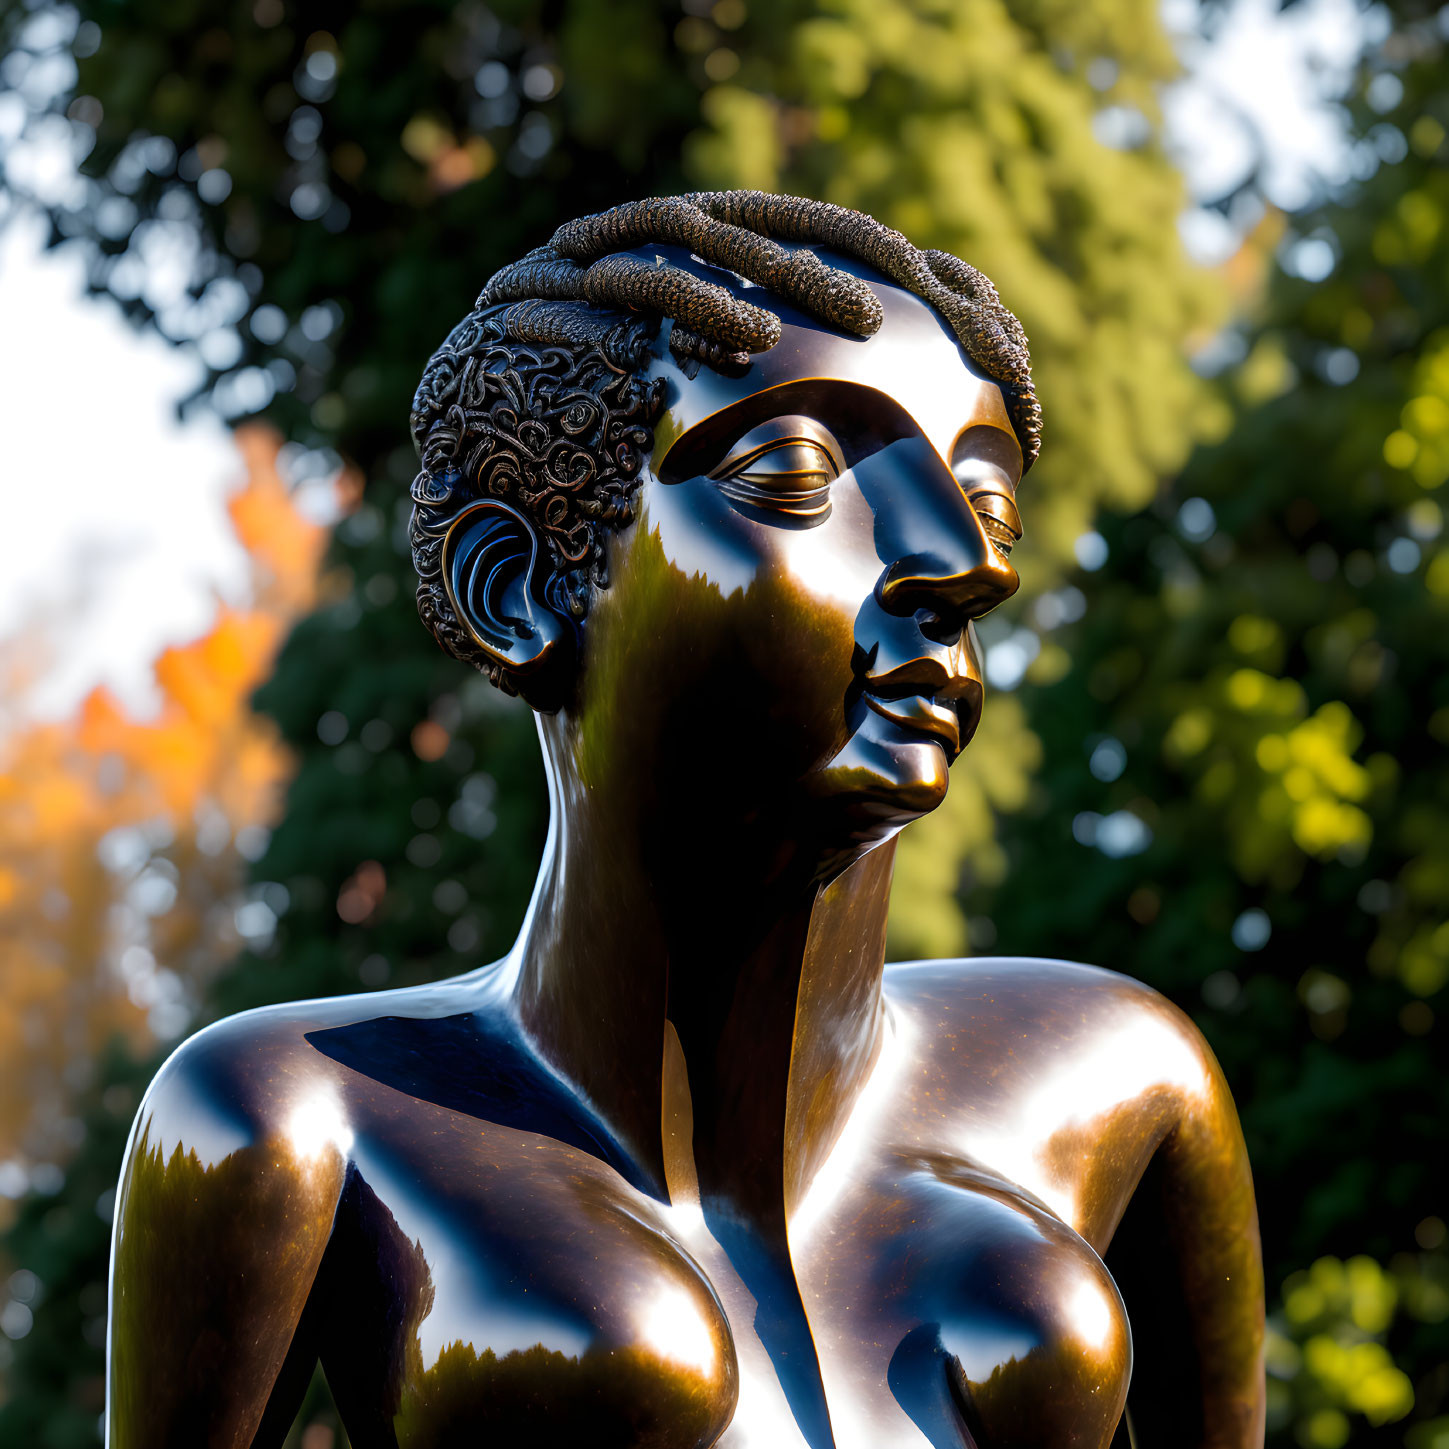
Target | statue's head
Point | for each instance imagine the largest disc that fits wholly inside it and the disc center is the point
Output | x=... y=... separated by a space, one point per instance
x=718 y=484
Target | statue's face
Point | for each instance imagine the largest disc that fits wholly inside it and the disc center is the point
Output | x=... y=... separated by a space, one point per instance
x=788 y=623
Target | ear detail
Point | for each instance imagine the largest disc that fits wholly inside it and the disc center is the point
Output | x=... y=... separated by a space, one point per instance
x=497 y=577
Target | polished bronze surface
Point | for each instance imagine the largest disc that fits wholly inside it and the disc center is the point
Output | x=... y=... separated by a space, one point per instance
x=690 y=1165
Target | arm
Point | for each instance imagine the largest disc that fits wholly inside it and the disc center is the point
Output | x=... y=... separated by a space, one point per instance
x=224 y=1211
x=1192 y=1227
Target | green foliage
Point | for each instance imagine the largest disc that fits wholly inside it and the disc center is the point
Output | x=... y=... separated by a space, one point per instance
x=968 y=124
x=1246 y=800
x=1329 y=1361
x=62 y=1241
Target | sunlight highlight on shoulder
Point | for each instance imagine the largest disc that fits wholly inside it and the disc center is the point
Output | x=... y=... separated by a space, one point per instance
x=316 y=1124
x=1114 y=1066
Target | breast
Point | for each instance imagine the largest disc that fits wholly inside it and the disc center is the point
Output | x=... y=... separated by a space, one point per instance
x=489 y=1284
x=983 y=1313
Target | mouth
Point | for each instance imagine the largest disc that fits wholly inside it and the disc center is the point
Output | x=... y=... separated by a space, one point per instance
x=922 y=714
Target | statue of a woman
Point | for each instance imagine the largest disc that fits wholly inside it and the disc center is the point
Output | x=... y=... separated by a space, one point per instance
x=718 y=484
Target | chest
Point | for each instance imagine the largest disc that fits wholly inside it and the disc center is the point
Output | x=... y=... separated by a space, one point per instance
x=931 y=1306
x=575 y=1312
x=507 y=1281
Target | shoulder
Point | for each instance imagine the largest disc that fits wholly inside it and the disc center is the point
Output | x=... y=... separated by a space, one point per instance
x=1040 y=984
x=1038 y=1013
x=401 y=1064
x=244 y=1078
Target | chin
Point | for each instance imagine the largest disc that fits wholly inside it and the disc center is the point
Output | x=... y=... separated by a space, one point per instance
x=883 y=778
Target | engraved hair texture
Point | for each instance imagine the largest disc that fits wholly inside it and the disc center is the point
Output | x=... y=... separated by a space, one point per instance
x=535 y=398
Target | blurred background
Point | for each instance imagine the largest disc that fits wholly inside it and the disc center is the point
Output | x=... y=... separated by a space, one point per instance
x=235 y=770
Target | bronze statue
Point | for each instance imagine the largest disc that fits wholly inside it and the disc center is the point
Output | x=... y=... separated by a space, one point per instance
x=718 y=484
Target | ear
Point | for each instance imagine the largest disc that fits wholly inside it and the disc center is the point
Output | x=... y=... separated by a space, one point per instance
x=497 y=578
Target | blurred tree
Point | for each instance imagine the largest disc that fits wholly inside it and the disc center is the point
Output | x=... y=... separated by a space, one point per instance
x=120 y=877
x=1246 y=799
x=123 y=891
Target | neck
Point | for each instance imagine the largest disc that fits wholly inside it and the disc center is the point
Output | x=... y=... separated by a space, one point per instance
x=763 y=985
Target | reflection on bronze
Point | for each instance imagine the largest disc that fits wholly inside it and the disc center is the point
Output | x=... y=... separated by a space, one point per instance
x=690 y=1166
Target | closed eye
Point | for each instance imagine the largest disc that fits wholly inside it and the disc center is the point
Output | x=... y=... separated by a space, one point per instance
x=781 y=467
x=987 y=480
x=1000 y=521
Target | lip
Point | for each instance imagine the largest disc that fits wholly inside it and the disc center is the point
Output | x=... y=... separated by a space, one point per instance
x=922 y=714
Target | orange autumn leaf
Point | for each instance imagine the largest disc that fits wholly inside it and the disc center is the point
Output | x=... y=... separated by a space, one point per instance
x=285 y=547
x=207 y=679
x=119 y=874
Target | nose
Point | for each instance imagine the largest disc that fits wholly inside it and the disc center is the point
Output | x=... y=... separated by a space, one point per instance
x=948 y=566
x=956 y=589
